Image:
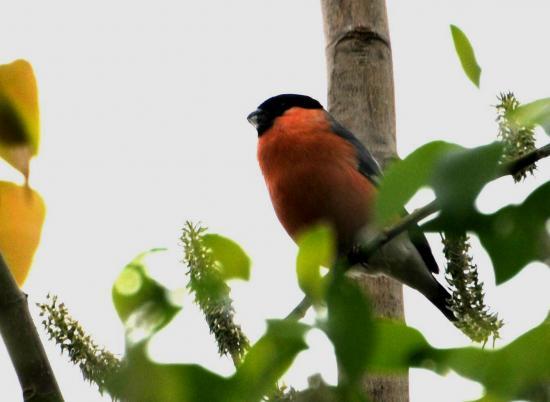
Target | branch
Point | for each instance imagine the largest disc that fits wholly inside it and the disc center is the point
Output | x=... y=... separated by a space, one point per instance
x=512 y=167
x=300 y=310
x=23 y=344
x=365 y=251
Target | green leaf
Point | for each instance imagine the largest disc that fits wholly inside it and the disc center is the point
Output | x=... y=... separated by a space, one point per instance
x=142 y=380
x=397 y=347
x=404 y=178
x=143 y=305
x=268 y=360
x=517 y=234
x=316 y=248
x=489 y=398
x=349 y=326
x=534 y=113
x=234 y=262
x=520 y=370
x=458 y=179
x=466 y=55
x=513 y=236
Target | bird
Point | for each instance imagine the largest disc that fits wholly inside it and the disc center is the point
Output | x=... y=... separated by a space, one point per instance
x=317 y=171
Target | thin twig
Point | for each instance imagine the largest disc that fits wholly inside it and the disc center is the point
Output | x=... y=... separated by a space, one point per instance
x=300 y=310
x=363 y=252
x=512 y=167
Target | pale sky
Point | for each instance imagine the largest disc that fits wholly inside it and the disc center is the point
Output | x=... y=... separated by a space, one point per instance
x=143 y=108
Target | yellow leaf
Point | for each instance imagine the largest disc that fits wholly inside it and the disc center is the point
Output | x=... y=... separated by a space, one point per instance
x=22 y=214
x=19 y=117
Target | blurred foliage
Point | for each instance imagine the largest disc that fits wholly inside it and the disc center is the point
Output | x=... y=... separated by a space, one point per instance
x=19 y=118
x=517 y=140
x=22 y=213
x=516 y=234
x=404 y=178
x=143 y=305
x=316 y=249
x=233 y=262
x=268 y=359
x=533 y=113
x=458 y=179
x=519 y=370
x=513 y=236
x=466 y=55
x=349 y=313
x=282 y=394
x=96 y=363
x=141 y=379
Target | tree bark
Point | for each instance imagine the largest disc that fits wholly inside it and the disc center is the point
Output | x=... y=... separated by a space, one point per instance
x=361 y=97
x=23 y=343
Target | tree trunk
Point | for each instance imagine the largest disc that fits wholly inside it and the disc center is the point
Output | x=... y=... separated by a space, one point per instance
x=361 y=97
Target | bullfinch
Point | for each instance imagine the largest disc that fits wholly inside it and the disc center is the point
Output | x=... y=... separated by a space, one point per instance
x=318 y=171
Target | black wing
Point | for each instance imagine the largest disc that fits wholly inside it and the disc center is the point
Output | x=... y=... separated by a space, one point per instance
x=369 y=167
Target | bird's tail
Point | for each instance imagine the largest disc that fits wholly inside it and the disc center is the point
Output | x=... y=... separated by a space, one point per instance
x=401 y=260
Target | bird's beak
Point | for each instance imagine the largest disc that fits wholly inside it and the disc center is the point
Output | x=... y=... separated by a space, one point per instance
x=255 y=118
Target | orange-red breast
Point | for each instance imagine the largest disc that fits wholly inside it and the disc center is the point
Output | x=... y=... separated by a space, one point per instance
x=318 y=171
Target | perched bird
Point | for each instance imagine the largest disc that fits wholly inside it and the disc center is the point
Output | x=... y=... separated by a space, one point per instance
x=318 y=171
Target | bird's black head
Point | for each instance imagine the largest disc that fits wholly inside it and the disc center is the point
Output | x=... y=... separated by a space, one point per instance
x=263 y=117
